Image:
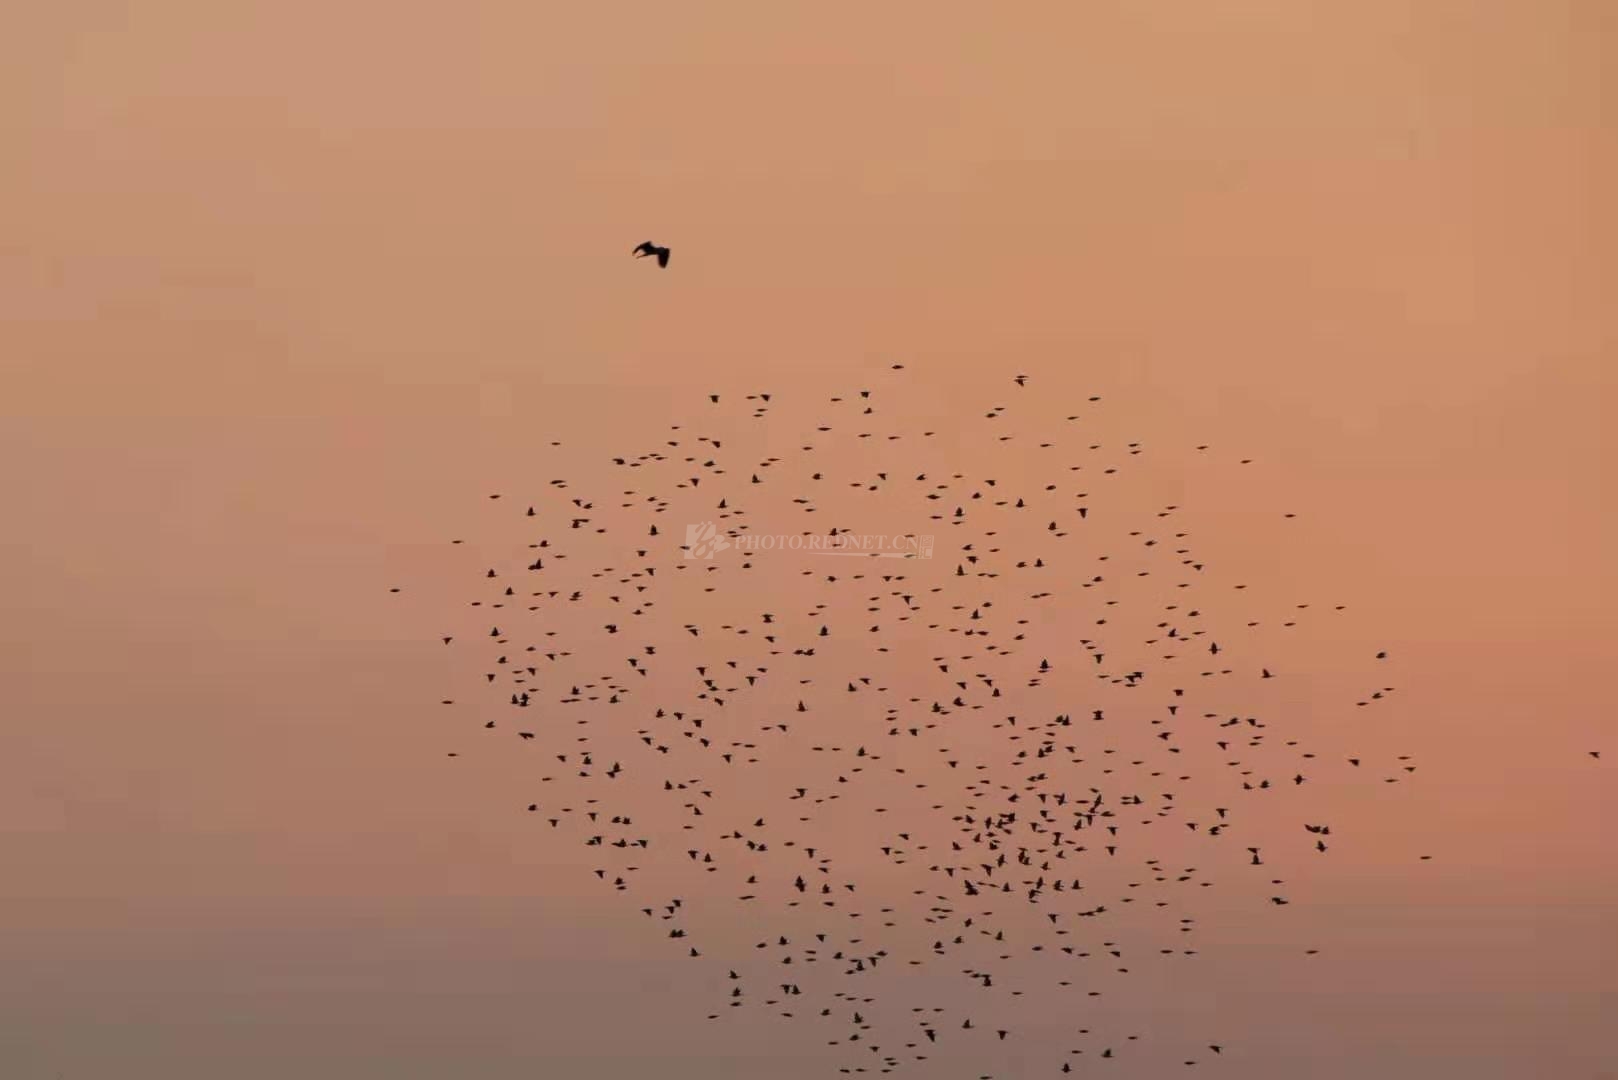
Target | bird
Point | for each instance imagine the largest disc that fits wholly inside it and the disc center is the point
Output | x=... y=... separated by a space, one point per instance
x=648 y=248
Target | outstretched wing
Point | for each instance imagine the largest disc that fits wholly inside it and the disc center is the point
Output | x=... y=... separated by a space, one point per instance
x=645 y=248
x=662 y=257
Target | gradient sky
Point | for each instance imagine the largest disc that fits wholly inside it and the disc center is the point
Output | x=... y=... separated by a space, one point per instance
x=286 y=288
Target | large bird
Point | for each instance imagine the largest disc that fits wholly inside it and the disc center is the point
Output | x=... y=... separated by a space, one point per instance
x=649 y=248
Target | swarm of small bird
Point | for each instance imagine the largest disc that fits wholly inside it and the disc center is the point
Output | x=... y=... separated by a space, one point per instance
x=956 y=790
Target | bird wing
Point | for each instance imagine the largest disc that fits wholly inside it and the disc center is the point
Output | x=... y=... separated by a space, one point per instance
x=645 y=248
x=662 y=257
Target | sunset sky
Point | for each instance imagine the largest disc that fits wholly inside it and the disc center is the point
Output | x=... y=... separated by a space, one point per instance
x=287 y=289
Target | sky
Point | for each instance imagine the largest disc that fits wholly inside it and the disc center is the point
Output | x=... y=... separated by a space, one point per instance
x=286 y=290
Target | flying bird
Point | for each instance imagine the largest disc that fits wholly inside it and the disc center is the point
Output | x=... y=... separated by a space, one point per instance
x=649 y=248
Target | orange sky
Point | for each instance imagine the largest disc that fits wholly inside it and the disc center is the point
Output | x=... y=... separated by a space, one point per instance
x=286 y=289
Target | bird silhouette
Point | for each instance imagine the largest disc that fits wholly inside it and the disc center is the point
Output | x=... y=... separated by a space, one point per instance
x=649 y=248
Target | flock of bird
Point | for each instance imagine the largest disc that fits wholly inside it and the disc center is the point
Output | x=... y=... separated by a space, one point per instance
x=934 y=804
